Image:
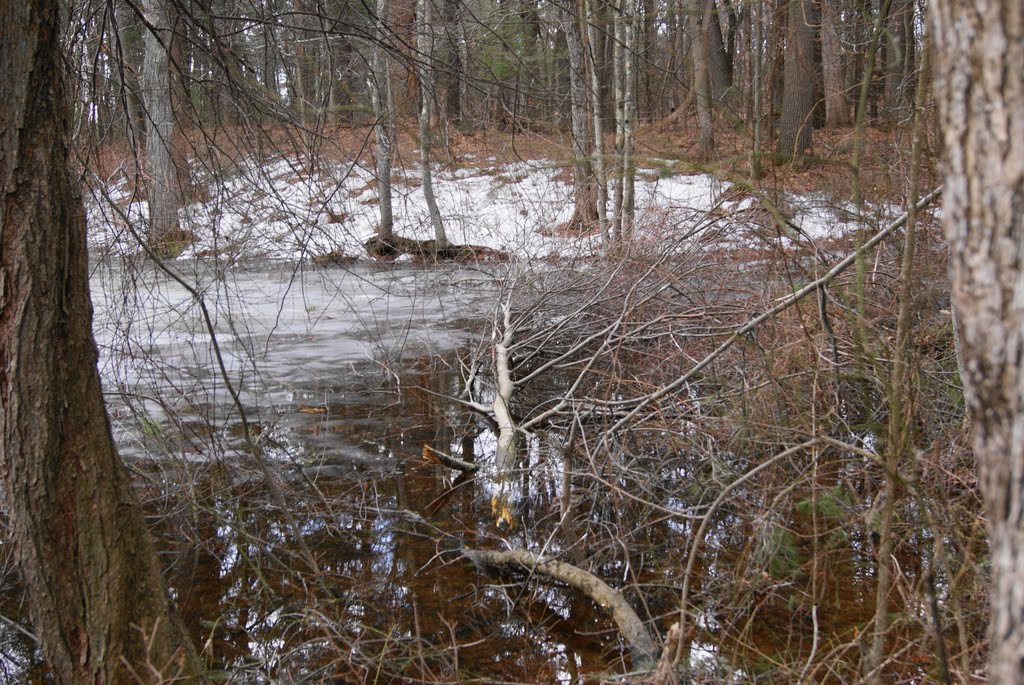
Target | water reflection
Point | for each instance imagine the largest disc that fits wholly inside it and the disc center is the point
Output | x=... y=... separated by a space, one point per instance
x=355 y=375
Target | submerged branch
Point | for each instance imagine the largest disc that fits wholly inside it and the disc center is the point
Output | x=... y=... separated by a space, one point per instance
x=642 y=647
x=448 y=460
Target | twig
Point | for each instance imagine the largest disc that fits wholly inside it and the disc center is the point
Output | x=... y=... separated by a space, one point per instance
x=784 y=304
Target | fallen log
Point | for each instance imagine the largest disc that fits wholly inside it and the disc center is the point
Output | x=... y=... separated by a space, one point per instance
x=642 y=648
x=392 y=247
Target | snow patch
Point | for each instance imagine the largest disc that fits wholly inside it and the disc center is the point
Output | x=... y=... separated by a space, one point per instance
x=282 y=210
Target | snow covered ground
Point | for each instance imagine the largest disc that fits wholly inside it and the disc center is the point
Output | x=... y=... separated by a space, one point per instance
x=279 y=210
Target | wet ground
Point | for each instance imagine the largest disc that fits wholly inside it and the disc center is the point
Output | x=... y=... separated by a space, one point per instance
x=345 y=375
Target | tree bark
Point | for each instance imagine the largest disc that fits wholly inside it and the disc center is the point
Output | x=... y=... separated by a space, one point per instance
x=798 y=86
x=127 y=42
x=597 y=116
x=302 y=76
x=584 y=186
x=425 y=46
x=98 y=603
x=162 y=186
x=756 y=69
x=617 y=11
x=702 y=80
x=453 y=75
x=718 y=64
x=833 y=67
x=627 y=210
x=384 y=128
x=897 y=65
x=980 y=90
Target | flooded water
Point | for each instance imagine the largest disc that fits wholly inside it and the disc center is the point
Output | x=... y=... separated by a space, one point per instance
x=345 y=376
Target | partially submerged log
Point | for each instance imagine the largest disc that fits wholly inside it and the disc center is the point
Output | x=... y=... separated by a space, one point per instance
x=642 y=648
x=394 y=246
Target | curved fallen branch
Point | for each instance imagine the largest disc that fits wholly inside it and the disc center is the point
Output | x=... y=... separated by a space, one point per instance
x=642 y=647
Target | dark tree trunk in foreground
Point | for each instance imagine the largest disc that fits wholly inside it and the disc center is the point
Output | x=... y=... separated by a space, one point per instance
x=980 y=90
x=798 y=85
x=98 y=603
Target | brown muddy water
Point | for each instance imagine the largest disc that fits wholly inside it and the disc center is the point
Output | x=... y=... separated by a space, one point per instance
x=346 y=375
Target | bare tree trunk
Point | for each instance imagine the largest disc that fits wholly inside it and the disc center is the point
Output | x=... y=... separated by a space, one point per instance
x=163 y=189
x=453 y=75
x=757 y=58
x=584 y=189
x=897 y=66
x=618 y=58
x=798 y=86
x=833 y=61
x=643 y=650
x=383 y=112
x=425 y=45
x=980 y=91
x=702 y=81
x=682 y=67
x=593 y=40
x=98 y=603
x=629 y=112
x=127 y=40
x=302 y=77
x=648 y=70
x=336 y=49
x=719 y=68
x=270 y=55
x=901 y=414
x=224 y=44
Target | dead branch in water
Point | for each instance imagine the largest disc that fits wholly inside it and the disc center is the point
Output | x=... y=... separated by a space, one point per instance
x=642 y=648
x=449 y=460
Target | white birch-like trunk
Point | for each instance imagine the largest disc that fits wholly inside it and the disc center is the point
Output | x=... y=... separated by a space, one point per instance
x=597 y=112
x=629 y=114
x=618 y=42
x=380 y=93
